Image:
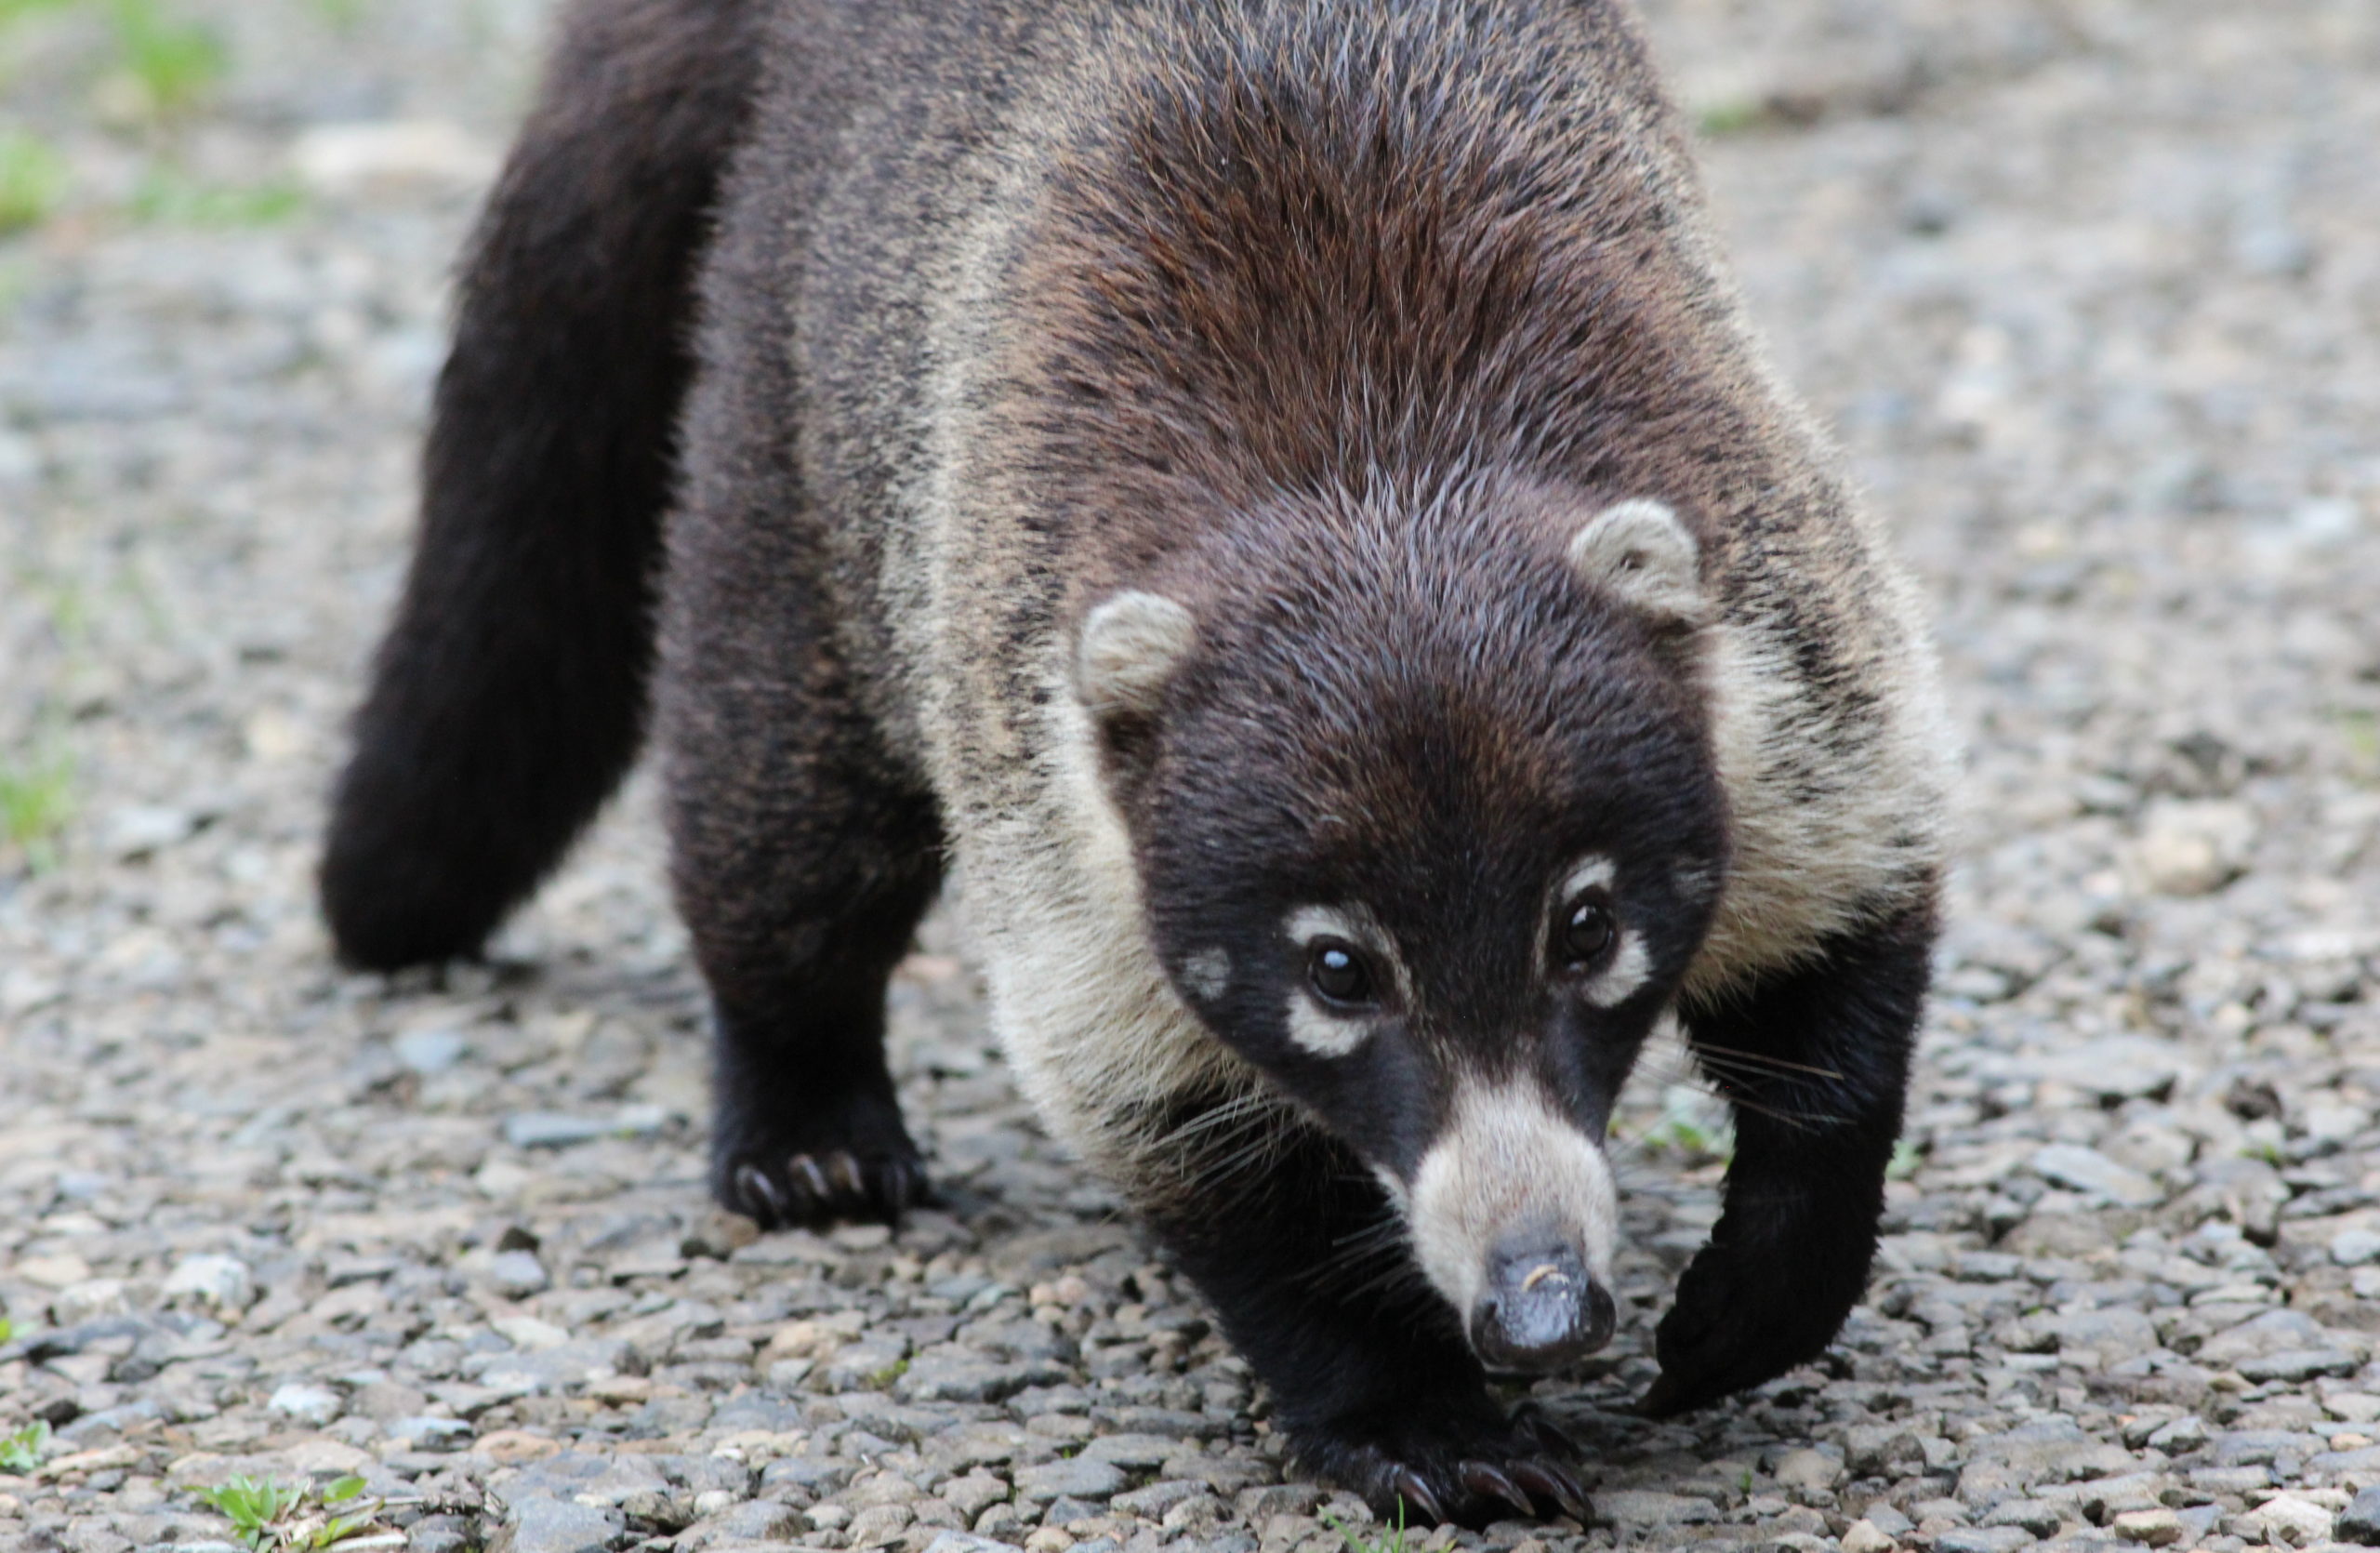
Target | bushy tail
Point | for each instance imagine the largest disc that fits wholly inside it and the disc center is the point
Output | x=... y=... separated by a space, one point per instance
x=508 y=697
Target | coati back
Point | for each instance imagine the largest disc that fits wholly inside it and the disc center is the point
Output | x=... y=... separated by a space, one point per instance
x=1281 y=496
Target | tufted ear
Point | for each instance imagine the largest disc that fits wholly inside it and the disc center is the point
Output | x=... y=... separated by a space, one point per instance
x=1639 y=551
x=1131 y=644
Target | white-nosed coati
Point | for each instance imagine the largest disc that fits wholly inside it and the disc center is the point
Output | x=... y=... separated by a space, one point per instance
x=1280 y=495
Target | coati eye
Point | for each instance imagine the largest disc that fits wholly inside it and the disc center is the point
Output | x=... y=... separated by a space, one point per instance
x=1587 y=934
x=1339 y=973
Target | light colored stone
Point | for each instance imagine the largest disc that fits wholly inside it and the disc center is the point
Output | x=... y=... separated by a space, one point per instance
x=2088 y=1170
x=1862 y=1536
x=2155 y=1527
x=1807 y=1468
x=307 y=1403
x=517 y=1274
x=429 y=1051
x=88 y=1300
x=212 y=1281
x=2189 y=847
x=513 y=1447
x=2292 y=1519
x=57 y=1270
x=353 y=158
x=2353 y=1248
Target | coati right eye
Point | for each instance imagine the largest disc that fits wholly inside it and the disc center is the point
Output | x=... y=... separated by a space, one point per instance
x=1339 y=973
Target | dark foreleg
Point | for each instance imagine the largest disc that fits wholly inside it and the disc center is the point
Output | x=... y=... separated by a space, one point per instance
x=1815 y=1059
x=802 y=860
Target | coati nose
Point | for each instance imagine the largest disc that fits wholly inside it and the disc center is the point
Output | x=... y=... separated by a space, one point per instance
x=1540 y=1310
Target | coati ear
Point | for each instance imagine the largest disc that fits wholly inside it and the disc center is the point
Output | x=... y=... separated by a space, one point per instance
x=1639 y=550
x=1131 y=644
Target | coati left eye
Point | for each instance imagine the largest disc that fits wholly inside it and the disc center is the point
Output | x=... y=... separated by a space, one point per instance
x=1339 y=973
x=1587 y=934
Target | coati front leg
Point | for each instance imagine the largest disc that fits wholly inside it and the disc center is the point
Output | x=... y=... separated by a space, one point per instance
x=802 y=850
x=802 y=853
x=1302 y=1256
x=1815 y=1059
x=801 y=865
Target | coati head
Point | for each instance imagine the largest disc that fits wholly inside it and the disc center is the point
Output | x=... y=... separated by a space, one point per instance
x=1427 y=831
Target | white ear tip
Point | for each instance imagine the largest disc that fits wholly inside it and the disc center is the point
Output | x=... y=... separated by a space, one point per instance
x=1641 y=551
x=1131 y=644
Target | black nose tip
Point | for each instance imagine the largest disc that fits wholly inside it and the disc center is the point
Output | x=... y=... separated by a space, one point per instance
x=1540 y=1311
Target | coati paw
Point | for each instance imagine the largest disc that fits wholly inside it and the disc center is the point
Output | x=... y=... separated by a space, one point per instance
x=825 y=1189
x=1744 y=1315
x=1433 y=1474
x=783 y=1177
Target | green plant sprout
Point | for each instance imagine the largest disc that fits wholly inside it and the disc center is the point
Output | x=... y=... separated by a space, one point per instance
x=1684 y=1126
x=22 y=1453
x=34 y=802
x=1393 y=1543
x=274 y=1518
x=32 y=178
x=173 y=64
x=168 y=194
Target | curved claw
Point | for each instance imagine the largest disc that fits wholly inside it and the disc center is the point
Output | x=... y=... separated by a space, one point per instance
x=812 y=1176
x=1554 y=1482
x=844 y=1171
x=759 y=1192
x=1484 y=1479
x=898 y=1190
x=1409 y=1486
x=1551 y=1437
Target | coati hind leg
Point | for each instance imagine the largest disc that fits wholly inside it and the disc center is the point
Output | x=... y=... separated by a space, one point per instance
x=1815 y=1059
x=1301 y=1254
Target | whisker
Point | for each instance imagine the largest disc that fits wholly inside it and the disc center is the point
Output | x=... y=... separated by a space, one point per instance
x=1762 y=1059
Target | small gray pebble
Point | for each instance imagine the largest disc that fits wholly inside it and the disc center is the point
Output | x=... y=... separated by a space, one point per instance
x=217 y=1283
x=430 y=1051
x=440 y=1534
x=517 y=1274
x=316 y=1406
x=1984 y=1539
x=563 y=1526
x=551 y=1129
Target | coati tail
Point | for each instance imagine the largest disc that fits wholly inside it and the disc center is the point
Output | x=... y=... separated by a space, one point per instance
x=508 y=696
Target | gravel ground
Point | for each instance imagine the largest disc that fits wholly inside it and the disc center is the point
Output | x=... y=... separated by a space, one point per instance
x=2093 y=289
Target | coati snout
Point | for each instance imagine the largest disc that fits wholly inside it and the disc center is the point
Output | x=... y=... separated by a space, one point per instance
x=1431 y=850
x=1282 y=498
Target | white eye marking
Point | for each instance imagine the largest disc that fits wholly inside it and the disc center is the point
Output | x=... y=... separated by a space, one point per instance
x=1208 y=973
x=1323 y=1034
x=1314 y=1029
x=1619 y=981
x=1309 y=923
x=1506 y=1161
x=1593 y=873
